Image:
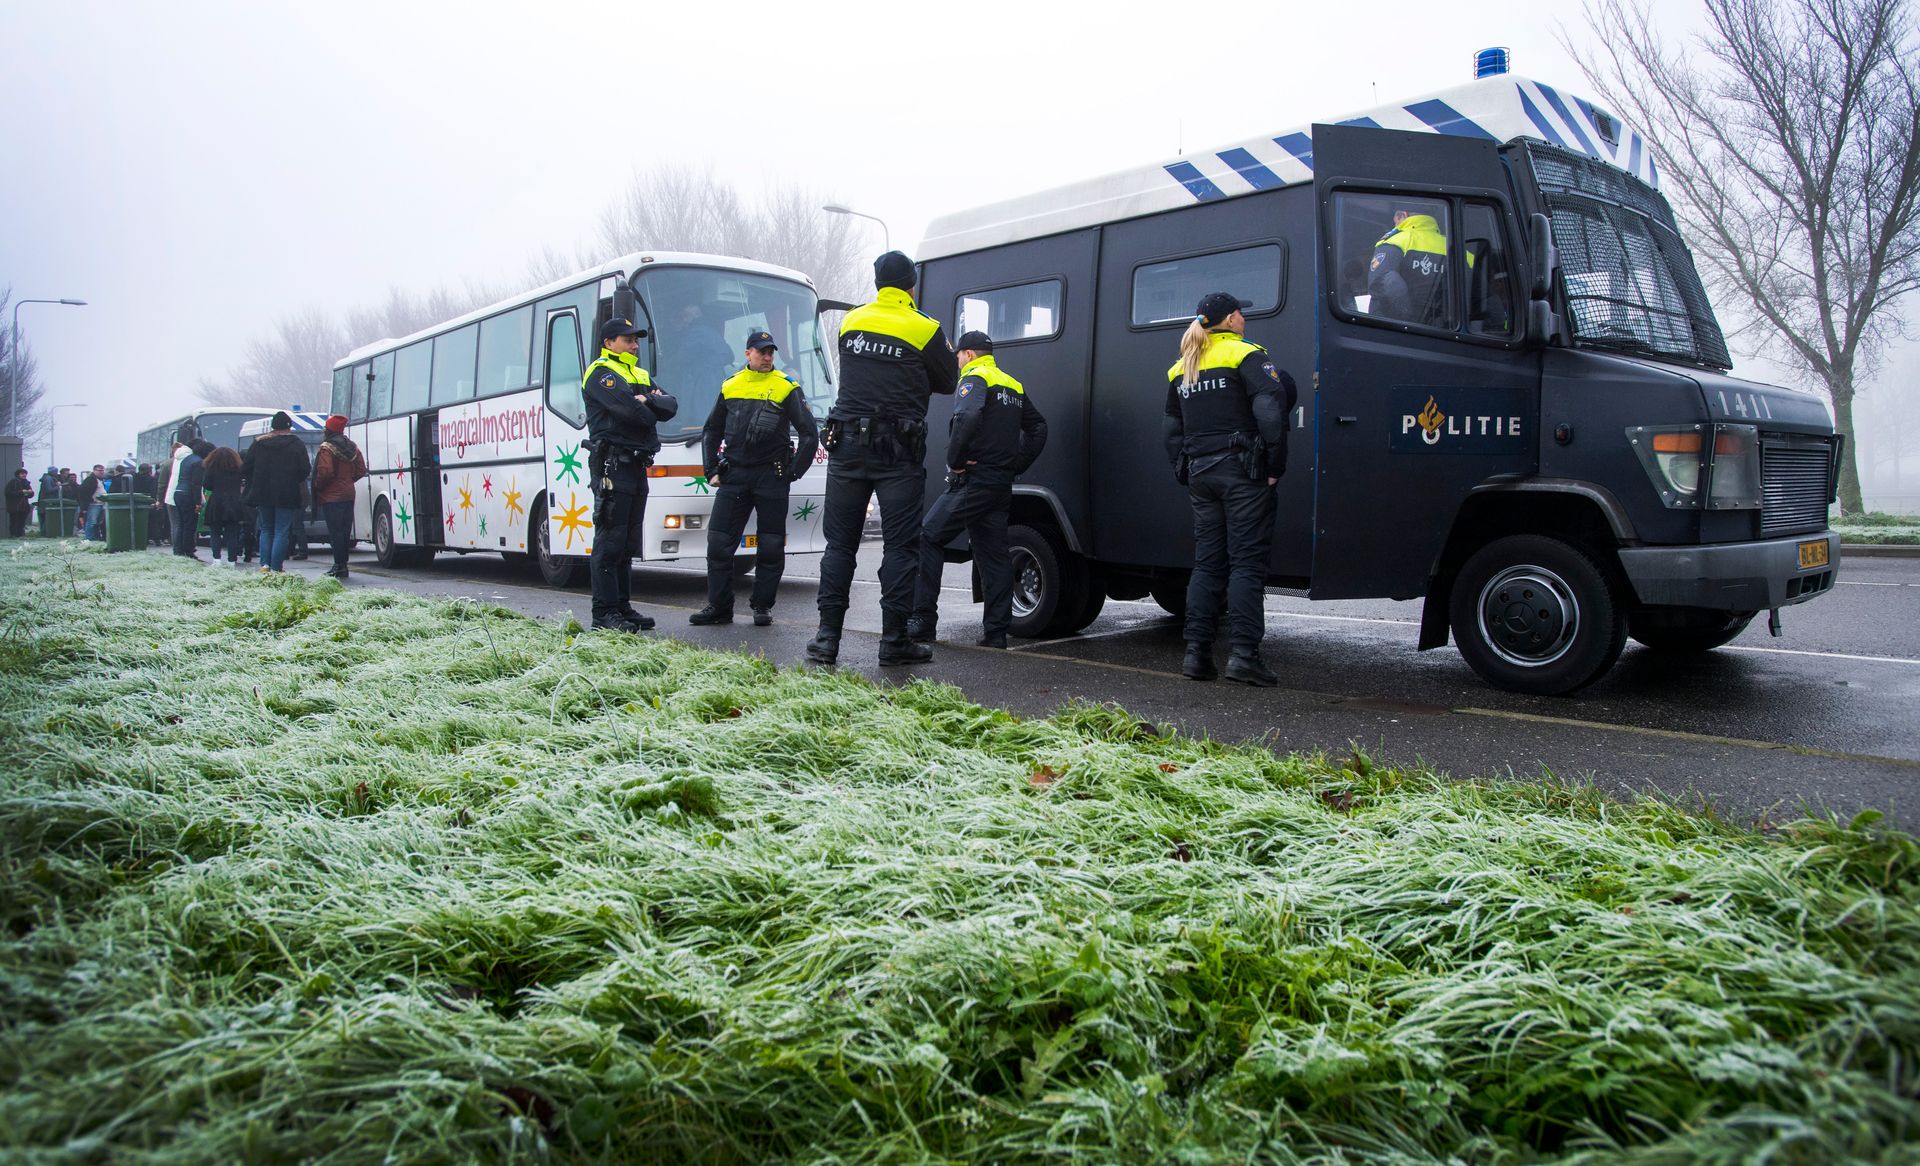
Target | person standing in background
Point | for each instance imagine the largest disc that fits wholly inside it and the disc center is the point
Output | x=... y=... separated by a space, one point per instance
x=275 y=467
x=221 y=482
x=336 y=467
x=19 y=503
x=186 y=504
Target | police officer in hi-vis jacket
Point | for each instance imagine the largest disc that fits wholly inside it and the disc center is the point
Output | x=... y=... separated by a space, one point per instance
x=892 y=357
x=995 y=434
x=624 y=409
x=751 y=461
x=1407 y=277
x=1226 y=434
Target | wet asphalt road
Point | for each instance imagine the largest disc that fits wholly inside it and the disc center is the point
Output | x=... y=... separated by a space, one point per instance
x=1827 y=716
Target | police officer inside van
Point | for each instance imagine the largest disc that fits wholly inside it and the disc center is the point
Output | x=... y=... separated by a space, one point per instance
x=995 y=434
x=758 y=412
x=1408 y=275
x=624 y=410
x=892 y=357
x=1226 y=434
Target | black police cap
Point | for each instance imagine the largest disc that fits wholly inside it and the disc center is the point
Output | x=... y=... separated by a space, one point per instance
x=893 y=270
x=620 y=326
x=761 y=340
x=976 y=341
x=1217 y=306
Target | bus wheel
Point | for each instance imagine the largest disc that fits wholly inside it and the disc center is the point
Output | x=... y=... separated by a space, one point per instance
x=556 y=570
x=1686 y=629
x=1049 y=583
x=386 y=550
x=1170 y=592
x=1536 y=615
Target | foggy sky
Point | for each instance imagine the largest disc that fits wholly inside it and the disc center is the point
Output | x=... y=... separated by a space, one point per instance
x=196 y=170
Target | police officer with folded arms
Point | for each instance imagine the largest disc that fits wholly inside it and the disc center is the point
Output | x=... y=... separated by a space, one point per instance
x=750 y=459
x=1226 y=434
x=995 y=434
x=892 y=358
x=624 y=410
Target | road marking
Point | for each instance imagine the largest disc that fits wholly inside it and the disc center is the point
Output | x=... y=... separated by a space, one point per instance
x=1866 y=583
x=1682 y=735
x=1822 y=655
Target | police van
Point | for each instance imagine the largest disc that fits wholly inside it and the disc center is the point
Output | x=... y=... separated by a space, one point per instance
x=1544 y=443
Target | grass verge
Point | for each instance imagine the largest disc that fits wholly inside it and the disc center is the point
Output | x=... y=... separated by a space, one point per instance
x=293 y=872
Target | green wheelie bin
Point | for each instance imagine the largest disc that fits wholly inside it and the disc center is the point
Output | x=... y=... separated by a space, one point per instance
x=127 y=516
x=58 y=517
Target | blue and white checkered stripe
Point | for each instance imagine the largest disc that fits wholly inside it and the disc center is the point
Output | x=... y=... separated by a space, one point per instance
x=1565 y=121
x=314 y=421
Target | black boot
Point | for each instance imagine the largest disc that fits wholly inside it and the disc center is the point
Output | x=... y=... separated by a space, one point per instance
x=993 y=640
x=1199 y=663
x=640 y=622
x=895 y=647
x=921 y=629
x=825 y=648
x=711 y=615
x=763 y=617
x=614 y=623
x=1245 y=667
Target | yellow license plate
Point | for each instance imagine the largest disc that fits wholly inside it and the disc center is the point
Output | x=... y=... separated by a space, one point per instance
x=1813 y=554
x=753 y=540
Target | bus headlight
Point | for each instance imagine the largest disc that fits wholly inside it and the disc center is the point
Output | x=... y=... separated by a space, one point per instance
x=1715 y=467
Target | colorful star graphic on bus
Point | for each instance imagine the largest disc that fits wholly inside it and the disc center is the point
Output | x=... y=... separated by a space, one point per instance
x=466 y=497
x=449 y=522
x=699 y=484
x=512 y=497
x=573 y=518
x=483 y=526
x=404 y=519
x=400 y=476
x=567 y=466
x=805 y=512
x=486 y=486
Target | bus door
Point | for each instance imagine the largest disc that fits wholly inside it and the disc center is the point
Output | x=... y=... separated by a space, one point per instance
x=1423 y=387
x=425 y=476
x=569 y=509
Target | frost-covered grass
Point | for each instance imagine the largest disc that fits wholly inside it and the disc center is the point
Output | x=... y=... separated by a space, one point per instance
x=1875 y=527
x=291 y=872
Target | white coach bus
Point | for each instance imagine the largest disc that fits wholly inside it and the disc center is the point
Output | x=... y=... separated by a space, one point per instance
x=473 y=428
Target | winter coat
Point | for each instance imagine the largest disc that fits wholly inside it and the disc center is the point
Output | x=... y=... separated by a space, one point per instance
x=186 y=480
x=19 y=496
x=336 y=467
x=223 y=496
x=275 y=467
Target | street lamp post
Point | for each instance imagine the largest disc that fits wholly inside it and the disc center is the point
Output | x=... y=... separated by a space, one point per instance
x=53 y=450
x=885 y=235
x=13 y=382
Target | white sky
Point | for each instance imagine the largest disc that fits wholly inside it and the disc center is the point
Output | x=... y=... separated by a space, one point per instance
x=197 y=169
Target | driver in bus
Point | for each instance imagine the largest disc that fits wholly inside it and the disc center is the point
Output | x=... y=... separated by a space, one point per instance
x=624 y=411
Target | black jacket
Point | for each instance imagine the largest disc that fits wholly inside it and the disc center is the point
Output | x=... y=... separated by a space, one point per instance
x=892 y=357
x=186 y=479
x=19 y=496
x=274 y=466
x=995 y=425
x=756 y=415
x=1238 y=394
x=223 y=488
x=616 y=420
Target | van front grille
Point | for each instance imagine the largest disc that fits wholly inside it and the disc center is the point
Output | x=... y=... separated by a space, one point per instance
x=1796 y=479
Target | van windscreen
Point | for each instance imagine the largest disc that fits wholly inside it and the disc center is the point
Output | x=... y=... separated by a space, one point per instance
x=1631 y=283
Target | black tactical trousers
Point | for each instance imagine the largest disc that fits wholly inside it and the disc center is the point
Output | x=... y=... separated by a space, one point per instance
x=980 y=509
x=855 y=474
x=617 y=517
x=745 y=490
x=1232 y=533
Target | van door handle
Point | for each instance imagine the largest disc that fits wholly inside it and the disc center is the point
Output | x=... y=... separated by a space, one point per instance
x=1344 y=419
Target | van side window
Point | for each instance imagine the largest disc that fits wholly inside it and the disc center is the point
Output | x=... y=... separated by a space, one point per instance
x=1489 y=271
x=1392 y=255
x=1165 y=293
x=1028 y=311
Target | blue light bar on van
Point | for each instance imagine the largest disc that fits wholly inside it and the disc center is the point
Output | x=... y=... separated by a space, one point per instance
x=1490 y=62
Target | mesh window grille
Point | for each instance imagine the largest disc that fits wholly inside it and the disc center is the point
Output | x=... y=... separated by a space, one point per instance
x=1630 y=280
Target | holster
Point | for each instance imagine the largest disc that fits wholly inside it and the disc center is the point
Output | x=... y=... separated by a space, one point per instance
x=1252 y=452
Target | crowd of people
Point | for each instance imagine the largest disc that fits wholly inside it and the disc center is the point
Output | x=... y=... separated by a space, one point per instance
x=248 y=505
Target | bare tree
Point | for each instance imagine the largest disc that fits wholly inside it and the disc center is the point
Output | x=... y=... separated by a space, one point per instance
x=25 y=412
x=680 y=209
x=292 y=365
x=1787 y=138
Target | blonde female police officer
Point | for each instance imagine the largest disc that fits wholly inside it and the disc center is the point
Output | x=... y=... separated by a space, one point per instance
x=756 y=415
x=624 y=410
x=1226 y=434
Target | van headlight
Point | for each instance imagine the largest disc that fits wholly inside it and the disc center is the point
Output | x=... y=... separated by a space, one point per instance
x=1701 y=467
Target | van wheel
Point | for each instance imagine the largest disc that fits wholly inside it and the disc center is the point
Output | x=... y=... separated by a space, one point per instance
x=1536 y=615
x=1687 y=629
x=555 y=570
x=1049 y=583
x=1170 y=593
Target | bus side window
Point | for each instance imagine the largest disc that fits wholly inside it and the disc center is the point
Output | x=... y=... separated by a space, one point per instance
x=1489 y=274
x=362 y=372
x=564 y=370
